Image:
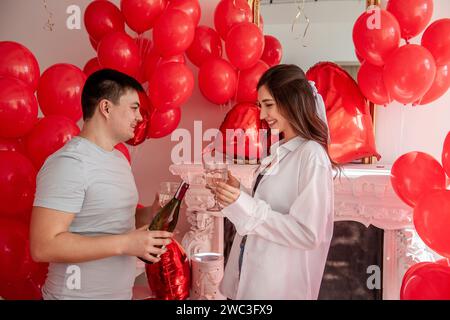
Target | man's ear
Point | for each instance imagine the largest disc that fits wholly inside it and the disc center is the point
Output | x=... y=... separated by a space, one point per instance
x=104 y=107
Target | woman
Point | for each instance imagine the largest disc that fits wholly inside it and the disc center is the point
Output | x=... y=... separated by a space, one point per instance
x=284 y=226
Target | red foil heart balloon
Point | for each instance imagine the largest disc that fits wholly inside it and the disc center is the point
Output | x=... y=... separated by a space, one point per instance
x=349 y=119
x=170 y=278
x=243 y=134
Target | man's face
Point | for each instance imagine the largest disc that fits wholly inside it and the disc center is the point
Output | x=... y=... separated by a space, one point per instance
x=125 y=115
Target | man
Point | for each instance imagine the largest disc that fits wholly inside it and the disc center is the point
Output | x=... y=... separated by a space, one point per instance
x=84 y=217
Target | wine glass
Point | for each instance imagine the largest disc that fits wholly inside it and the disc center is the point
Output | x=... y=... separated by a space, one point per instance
x=215 y=172
x=167 y=191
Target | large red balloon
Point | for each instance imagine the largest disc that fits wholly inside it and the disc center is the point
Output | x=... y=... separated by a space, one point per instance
x=436 y=38
x=163 y=123
x=120 y=52
x=217 y=80
x=349 y=119
x=18 y=108
x=206 y=44
x=190 y=7
x=412 y=16
x=171 y=86
x=231 y=12
x=446 y=155
x=248 y=80
x=439 y=87
x=371 y=83
x=102 y=18
x=59 y=91
x=17 y=184
x=17 y=61
x=142 y=127
x=141 y=15
x=20 y=277
x=409 y=73
x=173 y=33
x=415 y=174
x=432 y=221
x=273 y=52
x=152 y=60
x=91 y=66
x=48 y=136
x=426 y=281
x=243 y=134
x=376 y=35
x=244 y=45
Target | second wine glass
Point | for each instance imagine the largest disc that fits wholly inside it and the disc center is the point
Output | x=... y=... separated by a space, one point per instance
x=214 y=173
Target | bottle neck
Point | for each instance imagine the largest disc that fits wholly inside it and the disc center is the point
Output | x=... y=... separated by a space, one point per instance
x=181 y=192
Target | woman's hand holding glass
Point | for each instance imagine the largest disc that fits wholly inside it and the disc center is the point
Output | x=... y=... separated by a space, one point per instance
x=227 y=192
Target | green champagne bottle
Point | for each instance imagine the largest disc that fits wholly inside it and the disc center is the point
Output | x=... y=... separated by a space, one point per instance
x=167 y=217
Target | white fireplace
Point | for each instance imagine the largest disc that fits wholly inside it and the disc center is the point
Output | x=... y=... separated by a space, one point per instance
x=363 y=193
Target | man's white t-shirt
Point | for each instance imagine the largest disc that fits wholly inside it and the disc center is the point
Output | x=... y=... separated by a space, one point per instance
x=99 y=188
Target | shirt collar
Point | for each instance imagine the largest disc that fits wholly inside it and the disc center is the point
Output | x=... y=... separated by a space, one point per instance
x=290 y=145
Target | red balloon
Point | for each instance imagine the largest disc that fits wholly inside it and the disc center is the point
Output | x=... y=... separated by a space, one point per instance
x=358 y=56
x=20 y=277
x=248 y=80
x=432 y=221
x=217 y=80
x=119 y=51
x=141 y=15
x=371 y=83
x=446 y=155
x=163 y=123
x=376 y=42
x=337 y=88
x=59 y=91
x=439 y=87
x=242 y=133
x=173 y=33
x=190 y=7
x=102 y=18
x=349 y=119
x=273 y=52
x=123 y=148
x=413 y=16
x=152 y=60
x=415 y=174
x=142 y=127
x=8 y=144
x=17 y=184
x=48 y=136
x=409 y=73
x=145 y=46
x=244 y=45
x=206 y=44
x=18 y=108
x=231 y=12
x=18 y=62
x=171 y=86
x=436 y=38
x=426 y=281
x=91 y=66
x=170 y=278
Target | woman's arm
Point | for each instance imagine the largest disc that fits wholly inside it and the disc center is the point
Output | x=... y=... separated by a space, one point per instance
x=302 y=227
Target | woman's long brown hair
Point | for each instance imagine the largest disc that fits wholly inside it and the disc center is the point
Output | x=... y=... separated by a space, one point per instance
x=288 y=85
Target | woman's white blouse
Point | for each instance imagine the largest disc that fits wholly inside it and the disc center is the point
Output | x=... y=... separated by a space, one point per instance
x=288 y=223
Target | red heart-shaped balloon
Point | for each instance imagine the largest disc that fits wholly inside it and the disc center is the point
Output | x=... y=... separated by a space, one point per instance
x=427 y=281
x=348 y=115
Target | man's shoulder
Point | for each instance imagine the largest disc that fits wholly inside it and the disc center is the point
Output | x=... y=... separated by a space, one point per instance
x=70 y=152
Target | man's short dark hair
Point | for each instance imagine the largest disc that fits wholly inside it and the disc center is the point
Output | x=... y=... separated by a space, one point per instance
x=105 y=84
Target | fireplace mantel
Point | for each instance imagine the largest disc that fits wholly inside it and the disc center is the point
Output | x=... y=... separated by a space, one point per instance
x=363 y=193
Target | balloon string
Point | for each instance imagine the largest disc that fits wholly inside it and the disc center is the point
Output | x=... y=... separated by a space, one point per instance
x=402 y=127
x=300 y=13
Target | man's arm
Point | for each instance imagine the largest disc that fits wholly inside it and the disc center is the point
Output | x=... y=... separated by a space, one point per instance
x=51 y=241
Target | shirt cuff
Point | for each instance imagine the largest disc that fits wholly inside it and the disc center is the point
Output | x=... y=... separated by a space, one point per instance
x=240 y=211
